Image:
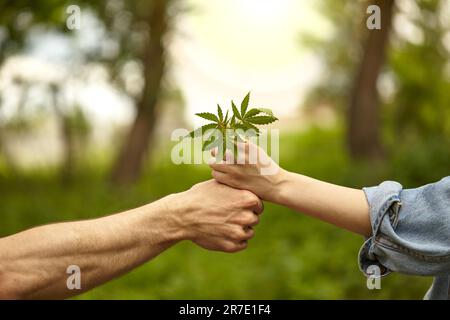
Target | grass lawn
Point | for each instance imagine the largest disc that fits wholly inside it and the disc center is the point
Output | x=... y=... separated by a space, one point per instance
x=291 y=257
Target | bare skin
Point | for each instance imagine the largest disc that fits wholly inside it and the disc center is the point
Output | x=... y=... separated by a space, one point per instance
x=344 y=207
x=33 y=263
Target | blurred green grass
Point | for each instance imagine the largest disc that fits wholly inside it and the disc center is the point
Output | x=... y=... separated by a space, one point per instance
x=292 y=255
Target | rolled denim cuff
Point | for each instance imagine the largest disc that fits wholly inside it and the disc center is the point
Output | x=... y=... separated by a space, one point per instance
x=384 y=203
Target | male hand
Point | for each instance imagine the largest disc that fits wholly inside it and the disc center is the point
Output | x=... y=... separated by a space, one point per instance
x=217 y=217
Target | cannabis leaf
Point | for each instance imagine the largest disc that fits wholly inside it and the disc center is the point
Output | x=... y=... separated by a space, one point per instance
x=261 y=119
x=200 y=131
x=220 y=113
x=244 y=120
x=244 y=104
x=208 y=116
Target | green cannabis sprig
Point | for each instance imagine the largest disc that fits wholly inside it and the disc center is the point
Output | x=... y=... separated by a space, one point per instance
x=225 y=131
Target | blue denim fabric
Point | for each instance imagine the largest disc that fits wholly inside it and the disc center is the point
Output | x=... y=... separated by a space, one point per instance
x=410 y=232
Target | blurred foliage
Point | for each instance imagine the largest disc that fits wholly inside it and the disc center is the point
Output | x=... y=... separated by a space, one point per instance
x=421 y=74
x=19 y=16
x=292 y=256
x=339 y=53
x=415 y=83
x=127 y=34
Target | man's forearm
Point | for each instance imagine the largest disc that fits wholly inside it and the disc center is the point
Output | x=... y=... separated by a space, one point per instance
x=33 y=263
x=344 y=207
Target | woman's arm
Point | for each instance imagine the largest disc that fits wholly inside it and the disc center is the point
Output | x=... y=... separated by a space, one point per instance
x=344 y=207
x=408 y=230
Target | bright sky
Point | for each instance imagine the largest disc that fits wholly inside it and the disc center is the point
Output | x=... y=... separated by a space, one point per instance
x=227 y=48
x=220 y=51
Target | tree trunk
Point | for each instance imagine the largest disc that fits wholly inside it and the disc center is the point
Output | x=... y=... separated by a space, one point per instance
x=364 y=112
x=7 y=157
x=129 y=162
x=67 y=138
x=67 y=135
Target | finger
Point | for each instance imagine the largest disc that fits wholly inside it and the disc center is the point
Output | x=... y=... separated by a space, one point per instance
x=253 y=221
x=234 y=246
x=222 y=167
x=241 y=245
x=236 y=234
x=220 y=177
x=249 y=233
x=249 y=219
x=258 y=207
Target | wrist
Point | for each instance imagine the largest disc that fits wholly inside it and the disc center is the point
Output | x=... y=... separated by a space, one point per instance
x=280 y=187
x=167 y=217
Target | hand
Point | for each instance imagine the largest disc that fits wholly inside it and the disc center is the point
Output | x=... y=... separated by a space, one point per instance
x=217 y=217
x=254 y=170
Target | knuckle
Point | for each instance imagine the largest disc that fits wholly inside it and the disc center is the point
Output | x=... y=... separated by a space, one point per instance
x=243 y=245
x=251 y=199
x=219 y=176
x=254 y=220
x=238 y=234
x=229 y=247
x=249 y=219
x=250 y=234
x=247 y=195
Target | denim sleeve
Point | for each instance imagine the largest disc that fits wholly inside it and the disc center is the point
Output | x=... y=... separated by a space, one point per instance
x=410 y=229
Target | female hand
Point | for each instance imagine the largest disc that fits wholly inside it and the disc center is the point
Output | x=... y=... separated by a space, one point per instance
x=253 y=170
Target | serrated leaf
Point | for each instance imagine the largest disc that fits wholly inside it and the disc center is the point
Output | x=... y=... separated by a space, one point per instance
x=220 y=113
x=241 y=126
x=248 y=131
x=208 y=116
x=226 y=118
x=261 y=119
x=249 y=126
x=235 y=110
x=252 y=113
x=266 y=111
x=201 y=130
x=233 y=122
x=244 y=104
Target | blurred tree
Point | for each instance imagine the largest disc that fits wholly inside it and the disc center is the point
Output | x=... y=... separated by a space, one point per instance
x=339 y=52
x=421 y=71
x=364 y=110
x=134 y=42
x=353 y=59
x=155 y=14
x=131 y=39
x=414 y=102
x=74 y=131
x=4 y=152
x=17 y=17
